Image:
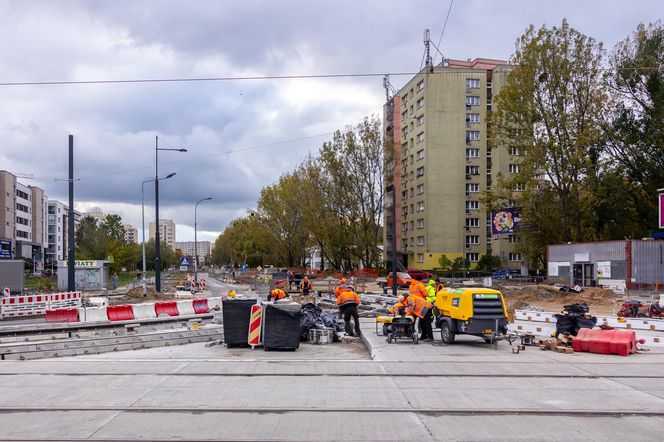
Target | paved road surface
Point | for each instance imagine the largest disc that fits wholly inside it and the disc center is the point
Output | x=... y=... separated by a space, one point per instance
x=468 y=391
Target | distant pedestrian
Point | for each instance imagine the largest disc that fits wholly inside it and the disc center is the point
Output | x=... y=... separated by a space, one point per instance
x=115 y=281
x=291 y=279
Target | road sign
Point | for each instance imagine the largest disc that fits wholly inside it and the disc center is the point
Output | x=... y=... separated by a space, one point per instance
x=184 y=268
x=244 y=267
x=255 y=325
x=184 y=261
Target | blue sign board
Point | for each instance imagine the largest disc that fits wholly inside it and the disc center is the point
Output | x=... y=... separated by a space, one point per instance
x=184 y=261
x=244 y=267
x=5 y=249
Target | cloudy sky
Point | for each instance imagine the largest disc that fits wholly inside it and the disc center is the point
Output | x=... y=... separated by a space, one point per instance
x=270 y=124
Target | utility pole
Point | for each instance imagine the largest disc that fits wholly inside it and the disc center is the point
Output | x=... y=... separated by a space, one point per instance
x=157 y=261
x=71 y=262
x=393 y=231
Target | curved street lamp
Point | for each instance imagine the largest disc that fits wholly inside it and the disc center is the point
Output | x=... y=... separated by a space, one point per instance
x=196 y=238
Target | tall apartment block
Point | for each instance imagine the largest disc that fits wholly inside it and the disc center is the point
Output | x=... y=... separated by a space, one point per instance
x=131 y=234
x=22 y=221
x=58 y=216
x=439 y=161
x=187 y=248
x=166 y=232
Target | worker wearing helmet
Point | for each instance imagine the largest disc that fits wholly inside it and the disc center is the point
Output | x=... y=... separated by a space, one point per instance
x=394 y=310
x=340 y=288
x=277 y=294
x=431 y=291
x=306 y=285
x=348 y=302
x=417 y=288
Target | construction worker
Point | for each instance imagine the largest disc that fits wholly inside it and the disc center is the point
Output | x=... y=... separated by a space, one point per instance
x=394 y=310
x=278 y=294
x=420 y=307
x=431 y=291
x=232 y=294
x=417 y=288
x=306 y=285
x=348 y=302
x=340 y=288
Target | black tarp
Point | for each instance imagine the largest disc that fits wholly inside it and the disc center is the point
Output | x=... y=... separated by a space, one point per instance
x=281 y=329
x=236 y=314
x=314 y=317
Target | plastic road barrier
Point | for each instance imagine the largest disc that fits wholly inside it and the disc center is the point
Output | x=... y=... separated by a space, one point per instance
x=62 y=315
x=254 y=338
x=619 y=342
x=200 y=305
x=144 y=311
x=185 y=308
x=92 y=314
x=166 y=309
x=120 y=313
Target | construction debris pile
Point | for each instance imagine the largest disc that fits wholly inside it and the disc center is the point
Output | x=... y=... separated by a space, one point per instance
x=574 y=317
x=552 y=298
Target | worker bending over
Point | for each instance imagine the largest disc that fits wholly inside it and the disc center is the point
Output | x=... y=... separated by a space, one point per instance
x=348 y=302
x=418 y=306
x=277 y=294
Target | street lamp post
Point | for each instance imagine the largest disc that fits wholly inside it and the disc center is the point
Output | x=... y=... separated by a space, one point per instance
x=170 y=175
x=157 y=261
x=196 y=239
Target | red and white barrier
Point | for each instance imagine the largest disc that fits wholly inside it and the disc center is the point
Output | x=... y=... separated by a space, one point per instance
x=31 y=305
x=186 y=308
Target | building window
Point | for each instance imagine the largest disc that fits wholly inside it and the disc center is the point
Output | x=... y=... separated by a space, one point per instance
x=515 y=257
x=472 y=187
x=472 y=170
x=472 y=205
x=404 y=115
x=519 y=187
x=21 y=207
x=472 y=118
x=472 y=153
x=404 y=227
x=21 y=194
x=420 y=240
x=514 y=168
x=420 y=223
x=472 y=257
x=472 y=222
x=420 y=206
x=420 y=85
x=420 y=137
x=420 y=257
x=411 y=225
x=514 y=151
x=420 y=103
x=420 y=171
x=420 y=189
x=511 y=239
x=405 y=131
x=472 y=239
x=411 y=192
x=410 y=143
x=420 y=154
x=472 y=101
x=472 y=83
x=420 y=120
x=405 y=99
x=472 y=135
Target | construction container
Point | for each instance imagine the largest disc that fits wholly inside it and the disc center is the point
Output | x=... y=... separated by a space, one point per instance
x=236 y=314
x=321 y=336
x=281 y=327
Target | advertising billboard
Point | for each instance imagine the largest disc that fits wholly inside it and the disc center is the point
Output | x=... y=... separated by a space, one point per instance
x=504 y=221
x=661 y=210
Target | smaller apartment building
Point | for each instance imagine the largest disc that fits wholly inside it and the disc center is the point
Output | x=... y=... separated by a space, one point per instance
x=58 y=219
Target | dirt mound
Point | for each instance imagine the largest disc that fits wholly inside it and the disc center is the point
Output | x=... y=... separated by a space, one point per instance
x=135 y=295
x=550 y=298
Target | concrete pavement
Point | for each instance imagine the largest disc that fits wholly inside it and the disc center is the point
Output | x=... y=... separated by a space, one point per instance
x=467 y=391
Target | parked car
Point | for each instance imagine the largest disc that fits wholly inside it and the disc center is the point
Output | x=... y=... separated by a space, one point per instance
x=505 y=274
x=403 y=280
x=420 y=275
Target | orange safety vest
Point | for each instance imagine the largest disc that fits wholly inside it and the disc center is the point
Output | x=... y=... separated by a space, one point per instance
x=347 y=297
x=338 y=290
x=278 y=294
x=395 y=308
x=418 y=306
x=417 y=289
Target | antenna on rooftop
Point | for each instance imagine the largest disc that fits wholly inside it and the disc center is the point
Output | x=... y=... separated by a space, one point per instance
x=389 y=90
x=428 y=61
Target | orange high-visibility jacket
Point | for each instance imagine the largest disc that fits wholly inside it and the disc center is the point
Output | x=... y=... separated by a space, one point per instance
x=395 y=308
x=417 y=288
x=347 y=297
x=417 y=306
x=338 y=290
x=278 y=294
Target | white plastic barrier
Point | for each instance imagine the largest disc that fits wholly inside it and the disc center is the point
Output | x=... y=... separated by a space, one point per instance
x=30 y=305
x=92 y=314
x=213 y=302
x=185 y=308
x=143 y=311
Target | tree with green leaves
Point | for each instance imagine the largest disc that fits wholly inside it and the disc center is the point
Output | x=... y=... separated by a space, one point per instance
x=551 y=109
x=460 y=263
x=489 y=262
x=445 y=263
x=113 y=227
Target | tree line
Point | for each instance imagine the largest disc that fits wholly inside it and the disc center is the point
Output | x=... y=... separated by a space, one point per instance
x=589 y=128
x=106 y=240
x=331 y=203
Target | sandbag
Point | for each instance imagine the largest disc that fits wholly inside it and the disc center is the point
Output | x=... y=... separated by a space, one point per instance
x=576 y=309
x=565 y=324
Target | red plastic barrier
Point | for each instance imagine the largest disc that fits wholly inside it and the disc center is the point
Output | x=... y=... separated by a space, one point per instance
x=166 y=308
x=120 y=313
x=62 y=315
x=200 y=305
x=619 y=342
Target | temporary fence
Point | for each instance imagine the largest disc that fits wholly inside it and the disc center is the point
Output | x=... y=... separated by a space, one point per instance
x=32 y=305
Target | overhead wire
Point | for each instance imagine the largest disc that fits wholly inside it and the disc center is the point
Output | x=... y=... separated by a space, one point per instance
x=443 y=31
